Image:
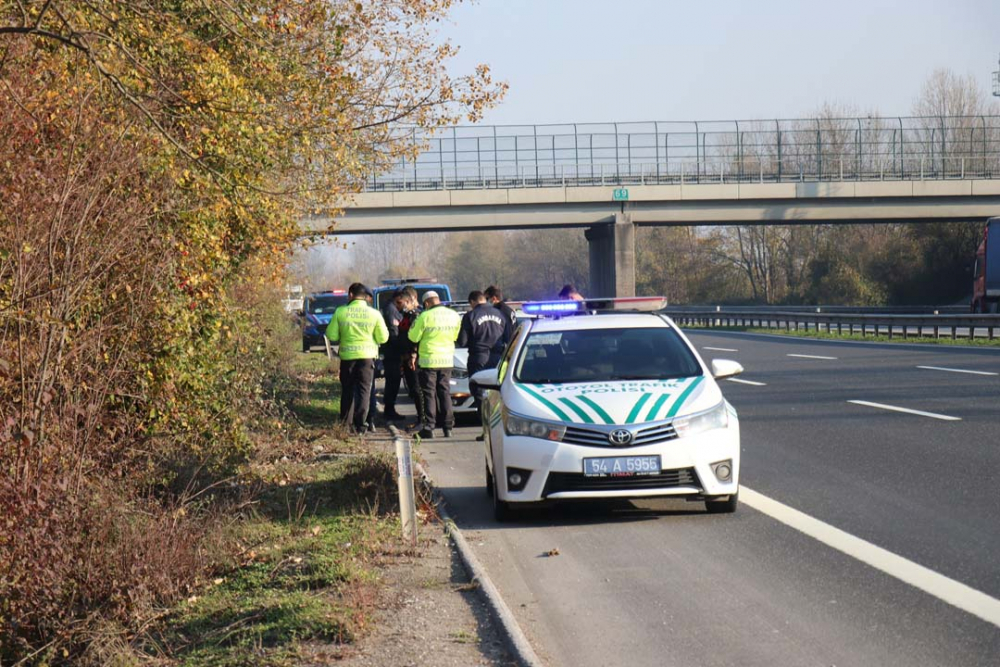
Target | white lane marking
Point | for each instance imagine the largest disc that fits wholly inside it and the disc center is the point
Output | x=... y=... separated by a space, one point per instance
x=720 y=349
x=749 y=382
x=944 y=588
x=896 y=408
x=812 y=356
x=956 y=370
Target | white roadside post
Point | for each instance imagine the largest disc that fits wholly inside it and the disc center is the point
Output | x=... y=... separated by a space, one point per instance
x=407 y=507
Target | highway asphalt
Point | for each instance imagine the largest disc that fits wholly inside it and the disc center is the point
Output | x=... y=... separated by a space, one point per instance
x=661 y=582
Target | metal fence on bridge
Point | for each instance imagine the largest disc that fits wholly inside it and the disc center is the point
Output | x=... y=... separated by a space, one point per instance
x=754 y=151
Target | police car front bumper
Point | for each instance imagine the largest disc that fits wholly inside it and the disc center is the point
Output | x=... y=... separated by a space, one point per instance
x=689 y=466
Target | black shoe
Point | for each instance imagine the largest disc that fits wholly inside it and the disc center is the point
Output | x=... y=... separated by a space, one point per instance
x=371 y=427
x=425 y=434
x=480 y=438
x=392 y=415
x=447 y=433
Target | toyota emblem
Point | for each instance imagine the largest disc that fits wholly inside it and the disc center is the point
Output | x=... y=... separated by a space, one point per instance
x=620 y=437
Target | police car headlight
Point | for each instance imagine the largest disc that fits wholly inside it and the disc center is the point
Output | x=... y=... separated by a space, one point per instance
x=717 y=417
x=517 y=425
x=459 y=374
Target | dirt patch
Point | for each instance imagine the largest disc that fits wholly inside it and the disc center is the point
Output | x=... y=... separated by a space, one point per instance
x=429 y=613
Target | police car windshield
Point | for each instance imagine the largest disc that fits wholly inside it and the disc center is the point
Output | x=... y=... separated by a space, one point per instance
x=603 y=355
x=324 y=305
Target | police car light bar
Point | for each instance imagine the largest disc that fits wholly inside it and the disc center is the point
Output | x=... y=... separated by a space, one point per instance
x=551 y=307
x=635 y=303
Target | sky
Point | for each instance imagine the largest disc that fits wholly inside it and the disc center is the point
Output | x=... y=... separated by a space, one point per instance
x=641 y=60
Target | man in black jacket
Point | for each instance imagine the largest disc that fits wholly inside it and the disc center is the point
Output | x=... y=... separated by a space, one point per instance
x=494 y=295
x=483 y=331
x=395 y=352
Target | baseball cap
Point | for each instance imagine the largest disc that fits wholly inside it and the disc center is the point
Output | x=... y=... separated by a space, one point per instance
x=430 y=294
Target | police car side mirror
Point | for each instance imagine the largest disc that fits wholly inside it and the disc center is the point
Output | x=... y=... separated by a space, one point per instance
x=725 y=368
x=487 y=379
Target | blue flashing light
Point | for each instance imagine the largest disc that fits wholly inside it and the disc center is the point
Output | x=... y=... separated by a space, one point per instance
x=551 y=307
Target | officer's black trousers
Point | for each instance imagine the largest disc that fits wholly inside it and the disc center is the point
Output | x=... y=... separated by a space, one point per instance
x=394 y=373
x=435 y=385
x=393 y=377
x=356 y=379
x=480 y=361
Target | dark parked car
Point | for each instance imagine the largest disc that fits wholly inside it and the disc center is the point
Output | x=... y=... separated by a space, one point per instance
x=317 y=309
x=385 y=291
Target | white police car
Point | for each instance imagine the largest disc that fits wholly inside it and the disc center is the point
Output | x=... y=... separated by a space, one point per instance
x=600 y=399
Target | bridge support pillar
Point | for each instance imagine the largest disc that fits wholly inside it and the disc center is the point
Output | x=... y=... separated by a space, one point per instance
x=612 y=257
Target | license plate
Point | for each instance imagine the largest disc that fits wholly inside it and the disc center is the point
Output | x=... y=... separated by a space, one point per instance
x=621 y=466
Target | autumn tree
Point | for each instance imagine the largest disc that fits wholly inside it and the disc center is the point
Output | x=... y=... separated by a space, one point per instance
x=154 y=161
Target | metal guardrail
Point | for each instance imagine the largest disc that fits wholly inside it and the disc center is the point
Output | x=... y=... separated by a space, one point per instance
x=869 y=310
x=891 y=325
x=755 y=151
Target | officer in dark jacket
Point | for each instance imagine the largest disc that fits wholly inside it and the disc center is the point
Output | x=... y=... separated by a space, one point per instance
x=408 y=304
x=393 y=352
x=494 y=295
x=483 y=331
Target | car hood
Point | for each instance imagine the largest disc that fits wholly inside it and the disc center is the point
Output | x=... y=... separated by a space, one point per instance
x=619 y=402
x=319 y=318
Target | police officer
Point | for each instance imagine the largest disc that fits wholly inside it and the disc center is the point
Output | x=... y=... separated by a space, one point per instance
x=392 y=352
x=409 y=305
x=482 y=331
x=359 y=329
x=435 y=331
x=494 y=295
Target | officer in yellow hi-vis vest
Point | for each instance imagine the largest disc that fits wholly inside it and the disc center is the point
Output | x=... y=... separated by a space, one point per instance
x=435 y=331
x=359 y=329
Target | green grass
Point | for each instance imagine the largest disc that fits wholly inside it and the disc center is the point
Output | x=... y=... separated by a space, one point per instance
x=306 y=574
x=319 y=404
x=881 y=338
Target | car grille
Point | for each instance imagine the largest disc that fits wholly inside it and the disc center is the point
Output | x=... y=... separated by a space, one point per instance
x=560 y=482
x=591 y=438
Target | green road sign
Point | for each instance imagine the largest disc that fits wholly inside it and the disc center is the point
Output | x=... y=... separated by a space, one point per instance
x=620 y=194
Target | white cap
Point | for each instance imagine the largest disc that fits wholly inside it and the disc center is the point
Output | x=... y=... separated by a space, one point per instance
x=430 y=294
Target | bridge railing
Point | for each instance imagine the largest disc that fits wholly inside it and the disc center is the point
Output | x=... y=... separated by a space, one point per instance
x=778 y=151
x=686 y=173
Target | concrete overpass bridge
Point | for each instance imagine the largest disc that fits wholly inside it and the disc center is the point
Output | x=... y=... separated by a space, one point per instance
x=609 y=178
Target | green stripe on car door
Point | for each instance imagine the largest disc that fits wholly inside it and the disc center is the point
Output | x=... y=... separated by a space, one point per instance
x=547 y=403
x=683 y=397
x=598 y=409
x=577 y=409
x=638 y=406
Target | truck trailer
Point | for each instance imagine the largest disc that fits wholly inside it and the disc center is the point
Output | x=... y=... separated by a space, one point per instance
x=986 y=281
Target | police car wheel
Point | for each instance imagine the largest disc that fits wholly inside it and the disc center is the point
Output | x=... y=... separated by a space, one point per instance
x=489 y=481
x=305 y=345
x=727 y=506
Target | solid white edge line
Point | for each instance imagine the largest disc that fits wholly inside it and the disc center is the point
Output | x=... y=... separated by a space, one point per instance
x=811 y=356
x=956 y=370
x=896 y=408
x=749 y=382
x=720 y=349
x=944 y=588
